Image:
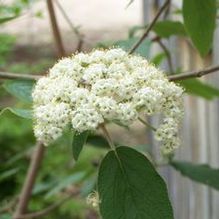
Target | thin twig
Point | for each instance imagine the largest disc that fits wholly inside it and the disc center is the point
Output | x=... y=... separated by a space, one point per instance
x=169 y=60
x=29 y=181
x=183 y=76
x=8 y=75
x=46 y=210
x=73 y=28
x=38 y=154
x=193 y=74
x=55 y=29
x=107 y=135
x=147 y=124
x=167 y=12
x=150 y=27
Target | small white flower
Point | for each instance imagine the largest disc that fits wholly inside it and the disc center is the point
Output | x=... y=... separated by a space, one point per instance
x=107 y=106
x=85 y=118
x=93 y=73
x=87 y=89
x=93 y=199
x=127 y=114
x=105 y=87
x=147 y=99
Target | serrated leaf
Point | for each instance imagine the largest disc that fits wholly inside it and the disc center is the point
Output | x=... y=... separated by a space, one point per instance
x=200 y=19
x=20 y=89
x=72 y=179
x=24 y=113
x=129 y=187
x=199 y=88
x=200 y=173
x=79 y=139
x=168 y=28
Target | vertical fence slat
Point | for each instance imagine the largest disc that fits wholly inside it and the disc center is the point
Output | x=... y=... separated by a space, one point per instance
x=213 y=127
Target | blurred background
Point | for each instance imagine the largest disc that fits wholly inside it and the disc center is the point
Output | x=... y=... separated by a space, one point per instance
x=28 y=45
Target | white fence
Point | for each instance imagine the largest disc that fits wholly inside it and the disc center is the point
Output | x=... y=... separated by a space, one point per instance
x=200 y=135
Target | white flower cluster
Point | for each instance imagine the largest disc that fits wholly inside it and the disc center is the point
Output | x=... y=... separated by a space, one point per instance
x=87 y=89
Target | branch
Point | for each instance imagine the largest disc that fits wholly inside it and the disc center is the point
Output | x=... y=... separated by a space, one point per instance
x=147 y=124
x=38 y=154
x=29 y=181
x=8 y=75
x=46 y=210
x=55 y=29
x=73 y=28
x=164 y=48
x=151 y=25
x=193 y=74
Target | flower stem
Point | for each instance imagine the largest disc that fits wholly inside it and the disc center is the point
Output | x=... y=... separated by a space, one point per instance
x=147 y=124
x=108 y=137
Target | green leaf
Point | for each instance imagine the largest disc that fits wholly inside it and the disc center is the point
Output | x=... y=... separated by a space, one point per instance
x=133 y=31
x=199 y=173
x=143 y=49
x=129 y=187
x=88 y=186
x=79 y=139
x=6 y=19
x=158 y=59
x=199 y=88
x=97 y=141
x=24 y=113
x=20 y=89
x=72 y=179
x=127 y=44
x=6 y=216
x=43 y=187
x=200 y=19
x=167 y=28
x=8 y=173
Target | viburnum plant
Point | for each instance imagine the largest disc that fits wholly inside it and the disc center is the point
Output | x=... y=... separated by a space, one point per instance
x=89 y=90
x=85 y=92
